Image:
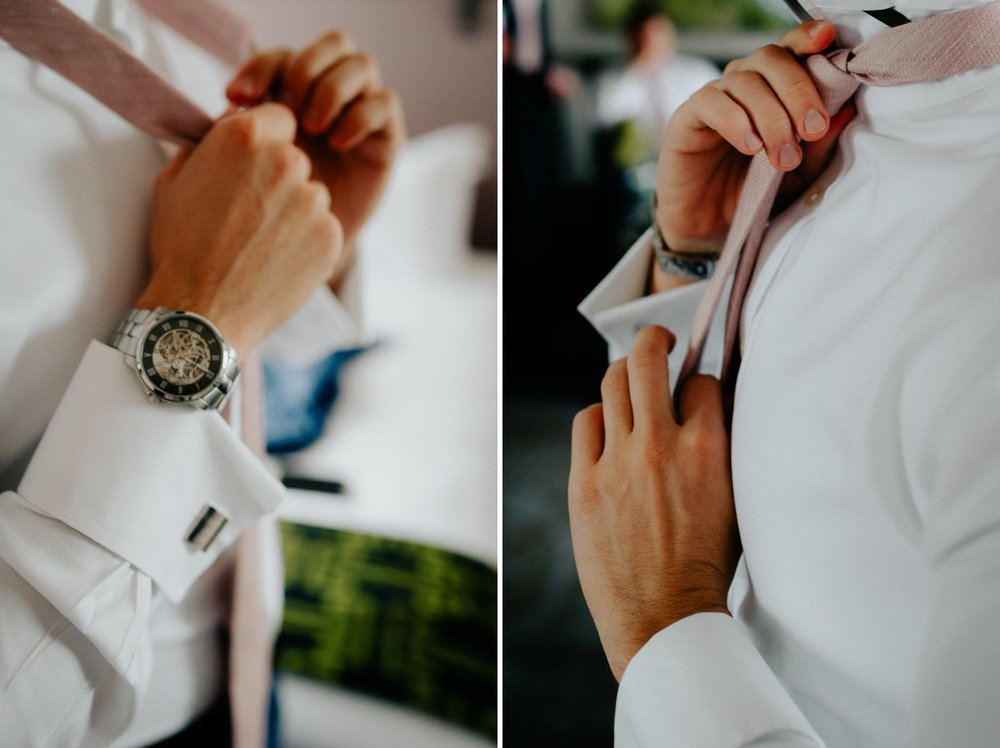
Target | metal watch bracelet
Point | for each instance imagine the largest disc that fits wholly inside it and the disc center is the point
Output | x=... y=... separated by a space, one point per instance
x=688 y=265
x=131 y=331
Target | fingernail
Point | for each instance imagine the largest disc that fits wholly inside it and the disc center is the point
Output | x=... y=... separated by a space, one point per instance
x=814 y=122
x=815 y=30
x=788 y=155
x=753 y=142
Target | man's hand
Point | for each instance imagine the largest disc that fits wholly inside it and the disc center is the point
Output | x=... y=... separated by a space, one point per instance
x=651 y=501
x=350 y=126
x=761 y=102
x=240 y=234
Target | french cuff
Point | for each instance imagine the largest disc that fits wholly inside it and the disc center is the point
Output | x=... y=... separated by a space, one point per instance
x=326 y=323
x=701 y=682
x=619 y=307
x=139 y=478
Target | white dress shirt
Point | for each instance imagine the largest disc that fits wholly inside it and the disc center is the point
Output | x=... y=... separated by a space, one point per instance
x=109 y=627
x=864 y=447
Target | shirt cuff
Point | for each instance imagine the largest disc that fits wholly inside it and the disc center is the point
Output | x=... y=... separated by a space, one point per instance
x=134 y=476
x=619 y=307
x=326 y=323
x=701 y=682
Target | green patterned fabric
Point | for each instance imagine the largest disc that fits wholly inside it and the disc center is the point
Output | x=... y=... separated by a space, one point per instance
x=406 y=622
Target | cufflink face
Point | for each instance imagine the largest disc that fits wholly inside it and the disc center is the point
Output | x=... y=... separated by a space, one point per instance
x=206 y=527
x=180 y=357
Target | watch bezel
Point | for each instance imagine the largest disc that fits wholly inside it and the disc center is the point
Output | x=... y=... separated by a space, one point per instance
x=225 y=358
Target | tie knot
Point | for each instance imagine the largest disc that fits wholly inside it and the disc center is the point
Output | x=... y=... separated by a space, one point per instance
x=833 y=78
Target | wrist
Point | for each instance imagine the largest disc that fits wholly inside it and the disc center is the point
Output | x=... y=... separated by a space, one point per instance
x=695 y=245
x=620 y=653
x=235 y=334
x=672 y=268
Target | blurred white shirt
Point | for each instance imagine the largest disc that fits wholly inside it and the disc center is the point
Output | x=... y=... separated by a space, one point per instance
x=650 y=97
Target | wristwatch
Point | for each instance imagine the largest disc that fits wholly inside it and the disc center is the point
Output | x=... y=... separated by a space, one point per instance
x=180 y=357
x=687 y=265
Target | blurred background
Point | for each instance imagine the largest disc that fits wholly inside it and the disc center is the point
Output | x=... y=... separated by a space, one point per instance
x=588 y=86
x=390 y=532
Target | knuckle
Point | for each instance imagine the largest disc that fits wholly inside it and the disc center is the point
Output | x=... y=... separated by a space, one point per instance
x=317 y=195
x=734 y=118
x=802 y=88
x=748 y=79
x=391 y=97
x=775 y=123
x=700 y=442
x=653 y=452
x=365 y=59
x=336 y=37
x=241 y=129
x=332 y=235
x=771 y=53
x=287 y=159
x=652 y=338
x=612 y=380
x=586 y=418
x=646 y=358
x=732 y=67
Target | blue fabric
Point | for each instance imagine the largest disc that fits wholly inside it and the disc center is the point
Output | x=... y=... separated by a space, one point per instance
x=297 y=400
x=273 y=718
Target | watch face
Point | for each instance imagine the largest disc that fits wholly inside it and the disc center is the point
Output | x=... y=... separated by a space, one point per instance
x=181 y=356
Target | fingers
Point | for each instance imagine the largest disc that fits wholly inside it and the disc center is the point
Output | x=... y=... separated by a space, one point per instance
x=713 y=109
x=304 y=69
x=635 y=391
x=588 y=435
x=341 y=84
x=616 y=404
x=378 y=114
x=750 y=90
x=816 y=157
x=333 y=88
x=701 y=399
x=251 y=126
x=777 y=95
x=254 y=80
x=649 y=378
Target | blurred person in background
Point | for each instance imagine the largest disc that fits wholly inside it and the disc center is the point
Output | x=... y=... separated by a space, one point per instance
x=632 y=110
x=656 y=81
x=120 y=516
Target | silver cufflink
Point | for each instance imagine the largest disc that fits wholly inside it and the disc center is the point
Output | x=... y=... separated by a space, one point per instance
x=206 y=527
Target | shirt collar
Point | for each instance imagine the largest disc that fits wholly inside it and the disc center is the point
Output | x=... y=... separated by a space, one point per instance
x=854 y=26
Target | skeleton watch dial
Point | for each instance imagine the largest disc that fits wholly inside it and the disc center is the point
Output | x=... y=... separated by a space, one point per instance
x=181 y=356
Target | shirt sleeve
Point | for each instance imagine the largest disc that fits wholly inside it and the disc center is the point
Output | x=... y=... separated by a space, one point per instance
x=701 y=682
x=619 y=307
x=97 y=525
x=326 y=323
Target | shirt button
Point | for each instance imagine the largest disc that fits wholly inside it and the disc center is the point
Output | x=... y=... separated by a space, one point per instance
x=814 y=197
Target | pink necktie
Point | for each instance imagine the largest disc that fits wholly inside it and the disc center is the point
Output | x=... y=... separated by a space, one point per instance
x=928 y=49
x=48 y=32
